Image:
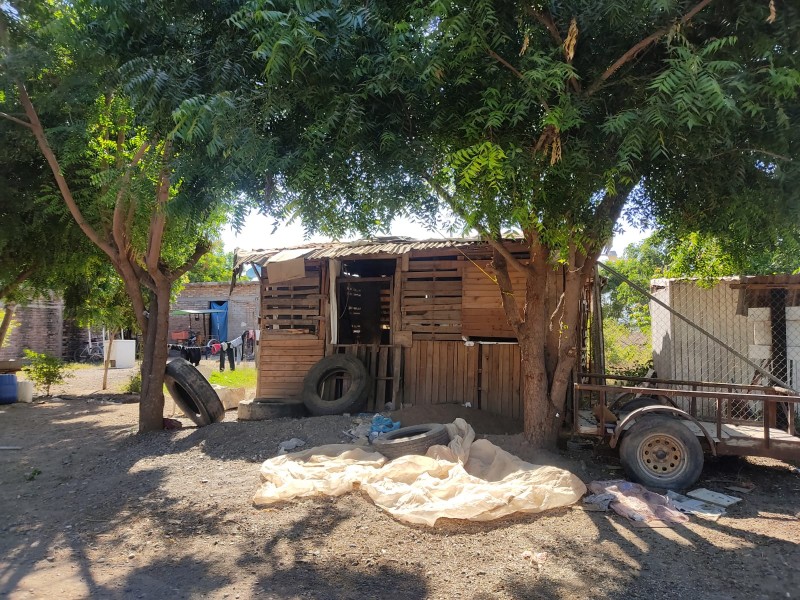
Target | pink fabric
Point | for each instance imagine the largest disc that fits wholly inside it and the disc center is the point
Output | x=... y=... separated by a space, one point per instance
x=637 y=503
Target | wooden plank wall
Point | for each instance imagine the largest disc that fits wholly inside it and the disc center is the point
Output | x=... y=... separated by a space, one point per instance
x=430 y=299
x=440 y=373
x=292 y=305
x=284 y=362
x=482 y=310
x=501 y=380
x=381 y=362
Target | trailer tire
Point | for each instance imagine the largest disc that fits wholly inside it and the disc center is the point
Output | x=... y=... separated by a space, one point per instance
x=661 y=452
x=415 y=439
x=642 y=401
x=193 y=393
x=352 y=400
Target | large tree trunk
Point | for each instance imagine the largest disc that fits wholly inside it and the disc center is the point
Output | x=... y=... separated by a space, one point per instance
x=8 y=315
x=156 y=337
x=546 y=324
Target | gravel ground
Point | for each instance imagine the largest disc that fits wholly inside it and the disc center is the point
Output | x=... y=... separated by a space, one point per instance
x=89 y=509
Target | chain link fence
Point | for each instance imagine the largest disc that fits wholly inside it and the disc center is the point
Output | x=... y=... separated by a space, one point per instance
x=735 y=331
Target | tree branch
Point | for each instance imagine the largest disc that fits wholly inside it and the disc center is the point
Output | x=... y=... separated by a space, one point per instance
x=641 y=45
x=500 y=248
x=510 y=305
x=52 y=161
x=16 y=120
x=200 y=249
x=121 y=229
x=505 y=63
x=13 y=284
x=159 y=218
x=550 y=25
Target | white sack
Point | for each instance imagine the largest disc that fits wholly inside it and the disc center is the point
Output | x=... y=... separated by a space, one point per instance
x=473 y=480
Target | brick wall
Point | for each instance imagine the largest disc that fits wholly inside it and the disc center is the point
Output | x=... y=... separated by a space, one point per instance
x=38 y=327
x=243 y=305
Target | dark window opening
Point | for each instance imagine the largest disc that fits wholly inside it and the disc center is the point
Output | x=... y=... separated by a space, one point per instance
x=364 y=293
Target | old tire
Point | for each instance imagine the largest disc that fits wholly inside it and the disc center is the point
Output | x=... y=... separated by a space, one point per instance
x=661 y=452
x=415 y=439
x=352 y=400
x=265 y=409
x=192 y=393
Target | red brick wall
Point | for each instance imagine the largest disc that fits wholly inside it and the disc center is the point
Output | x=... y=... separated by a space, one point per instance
x=38 y=327
x=243 y=305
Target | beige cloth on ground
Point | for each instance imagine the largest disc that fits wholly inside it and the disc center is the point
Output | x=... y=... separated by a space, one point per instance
x=467 y=479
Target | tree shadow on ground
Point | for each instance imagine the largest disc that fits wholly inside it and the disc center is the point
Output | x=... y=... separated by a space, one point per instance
x=294 y=560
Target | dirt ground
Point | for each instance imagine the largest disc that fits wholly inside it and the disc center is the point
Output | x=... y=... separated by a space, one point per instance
x=88 y=509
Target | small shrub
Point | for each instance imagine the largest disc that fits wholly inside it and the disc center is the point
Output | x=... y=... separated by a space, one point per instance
x=45 y=370
x=134 y=386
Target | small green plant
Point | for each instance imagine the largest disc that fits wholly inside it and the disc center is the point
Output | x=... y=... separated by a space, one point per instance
x=134 y=385
x=45 y=370
x=32 y=475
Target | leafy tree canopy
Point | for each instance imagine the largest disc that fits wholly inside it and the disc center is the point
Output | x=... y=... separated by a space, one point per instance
x=217 y=265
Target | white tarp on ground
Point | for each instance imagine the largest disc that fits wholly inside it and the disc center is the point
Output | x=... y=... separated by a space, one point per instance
x=468 y=479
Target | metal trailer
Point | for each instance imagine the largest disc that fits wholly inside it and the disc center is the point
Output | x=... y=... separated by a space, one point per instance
x=664 y=428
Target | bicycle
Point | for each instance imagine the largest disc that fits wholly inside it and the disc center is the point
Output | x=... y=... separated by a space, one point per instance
x=87 y=353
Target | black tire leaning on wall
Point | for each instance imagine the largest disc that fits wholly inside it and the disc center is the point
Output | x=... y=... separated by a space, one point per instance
x=193 y=393
x=414 y=439
x=352 y=400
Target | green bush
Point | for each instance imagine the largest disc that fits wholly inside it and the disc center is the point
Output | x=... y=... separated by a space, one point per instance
x=134 y=386
x=45 y=370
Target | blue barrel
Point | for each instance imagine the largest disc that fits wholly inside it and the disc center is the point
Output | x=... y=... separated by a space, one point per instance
x=8 y=389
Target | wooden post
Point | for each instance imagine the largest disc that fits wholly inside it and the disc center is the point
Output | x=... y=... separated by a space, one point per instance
x=397 y=376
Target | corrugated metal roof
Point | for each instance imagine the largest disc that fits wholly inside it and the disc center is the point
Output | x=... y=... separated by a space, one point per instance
x=381 y=245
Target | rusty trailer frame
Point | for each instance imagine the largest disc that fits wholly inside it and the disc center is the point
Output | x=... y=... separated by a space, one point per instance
x=724 y=434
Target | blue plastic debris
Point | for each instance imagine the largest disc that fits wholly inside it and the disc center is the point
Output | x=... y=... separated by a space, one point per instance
x=381 y=425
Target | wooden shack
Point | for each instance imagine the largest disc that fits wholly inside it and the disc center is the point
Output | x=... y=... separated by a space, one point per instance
x=425 y=317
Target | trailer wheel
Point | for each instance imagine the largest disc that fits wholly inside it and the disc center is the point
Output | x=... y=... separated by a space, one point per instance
x=661 y=452
x=192 y=393
x=643 y=401
x=351 y=400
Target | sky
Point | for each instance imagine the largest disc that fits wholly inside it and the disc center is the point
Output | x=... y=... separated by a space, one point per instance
x=257 y=234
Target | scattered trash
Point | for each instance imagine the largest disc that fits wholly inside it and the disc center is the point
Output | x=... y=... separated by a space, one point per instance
x=713 y=497
x=796 y=470
x=359 y=433
x=638 y=504
x=741 y=490
x=599 y=502
x=389 y=406
x=291 y=444
x=10 y=447
x=467 y=405
x=535 y=558
x=172 y=424
x=381 y=425
x=695 y=507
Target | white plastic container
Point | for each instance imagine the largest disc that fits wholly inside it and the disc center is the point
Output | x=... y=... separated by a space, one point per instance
x=123 y=354
x=25 y=391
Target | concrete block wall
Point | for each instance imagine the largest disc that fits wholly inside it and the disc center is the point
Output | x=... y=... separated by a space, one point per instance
x=243 y=305
x=36 y=326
